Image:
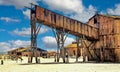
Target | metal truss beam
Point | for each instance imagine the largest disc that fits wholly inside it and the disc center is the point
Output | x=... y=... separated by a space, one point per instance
x=79 y=43
x=60 y=36
x=34 y=32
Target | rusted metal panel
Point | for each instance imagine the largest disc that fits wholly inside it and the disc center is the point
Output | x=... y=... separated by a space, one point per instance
x=90 y=31
x=117 y=41
x=68 y=24
x=96 y=34
x=52 y=19
x=106 y=25
x=72 y=25
x=40 y=13
x=57 y=20
x=61 y=22
x=64 y=23
x=117 y=26
x=83 y=29
x=76 y=27
x=47 y=17
x=117 y=54
x=79 y=27
x=86 y=30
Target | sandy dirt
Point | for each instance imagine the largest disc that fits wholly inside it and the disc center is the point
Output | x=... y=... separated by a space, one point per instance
x=48 y=65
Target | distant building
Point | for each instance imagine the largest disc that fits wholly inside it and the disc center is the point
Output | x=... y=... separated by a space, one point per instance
x=71 y=49
x=26 y=51
x=51 y=54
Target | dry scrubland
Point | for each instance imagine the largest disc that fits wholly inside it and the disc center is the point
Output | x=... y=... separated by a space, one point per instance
x=47 y=66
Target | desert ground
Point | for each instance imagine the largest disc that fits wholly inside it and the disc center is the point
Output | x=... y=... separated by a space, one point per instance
x=48 y=65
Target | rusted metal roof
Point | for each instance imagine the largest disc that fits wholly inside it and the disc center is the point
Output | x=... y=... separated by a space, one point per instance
x=112 y=16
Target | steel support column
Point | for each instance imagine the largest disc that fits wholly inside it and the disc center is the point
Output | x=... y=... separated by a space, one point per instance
x=60 y=36
x=79 y=43
x=34 y=32
x=33 y=36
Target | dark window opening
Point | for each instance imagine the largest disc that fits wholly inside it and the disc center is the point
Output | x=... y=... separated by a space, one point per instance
x=102 y=48
x=18 y=53
x=74 y=52
x=95 y=20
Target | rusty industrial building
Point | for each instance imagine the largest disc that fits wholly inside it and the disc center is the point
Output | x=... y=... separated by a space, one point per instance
x=24 y=51
x=71 y=50
x=100 y=36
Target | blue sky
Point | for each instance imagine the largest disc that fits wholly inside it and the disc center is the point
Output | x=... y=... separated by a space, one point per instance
x=15 y=19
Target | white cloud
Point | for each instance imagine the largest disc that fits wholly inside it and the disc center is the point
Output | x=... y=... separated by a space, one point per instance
x=18 y=3
x=6 y=46
x=50 y=42
x=22 y=32
x=8 y=19
x=19 y=43
x=115 y=11
x=27 y=31
x=73 y=8
x=69 y=40
x=85 y=15
x=66 y=5
x=27 y=13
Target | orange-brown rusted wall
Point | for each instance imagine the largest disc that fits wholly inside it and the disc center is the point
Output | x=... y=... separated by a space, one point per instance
x=72 y=51
x=74 y=27
x=109 y=36
x=49 y=54
x=31 y=53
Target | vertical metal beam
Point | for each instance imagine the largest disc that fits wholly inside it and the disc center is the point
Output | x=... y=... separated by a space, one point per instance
x=34 y=32
x=33 y=36
x=60 y=36
x=79 y=43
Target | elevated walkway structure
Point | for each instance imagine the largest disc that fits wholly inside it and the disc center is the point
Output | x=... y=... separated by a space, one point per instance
x=60 y=22
x=61 y=26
